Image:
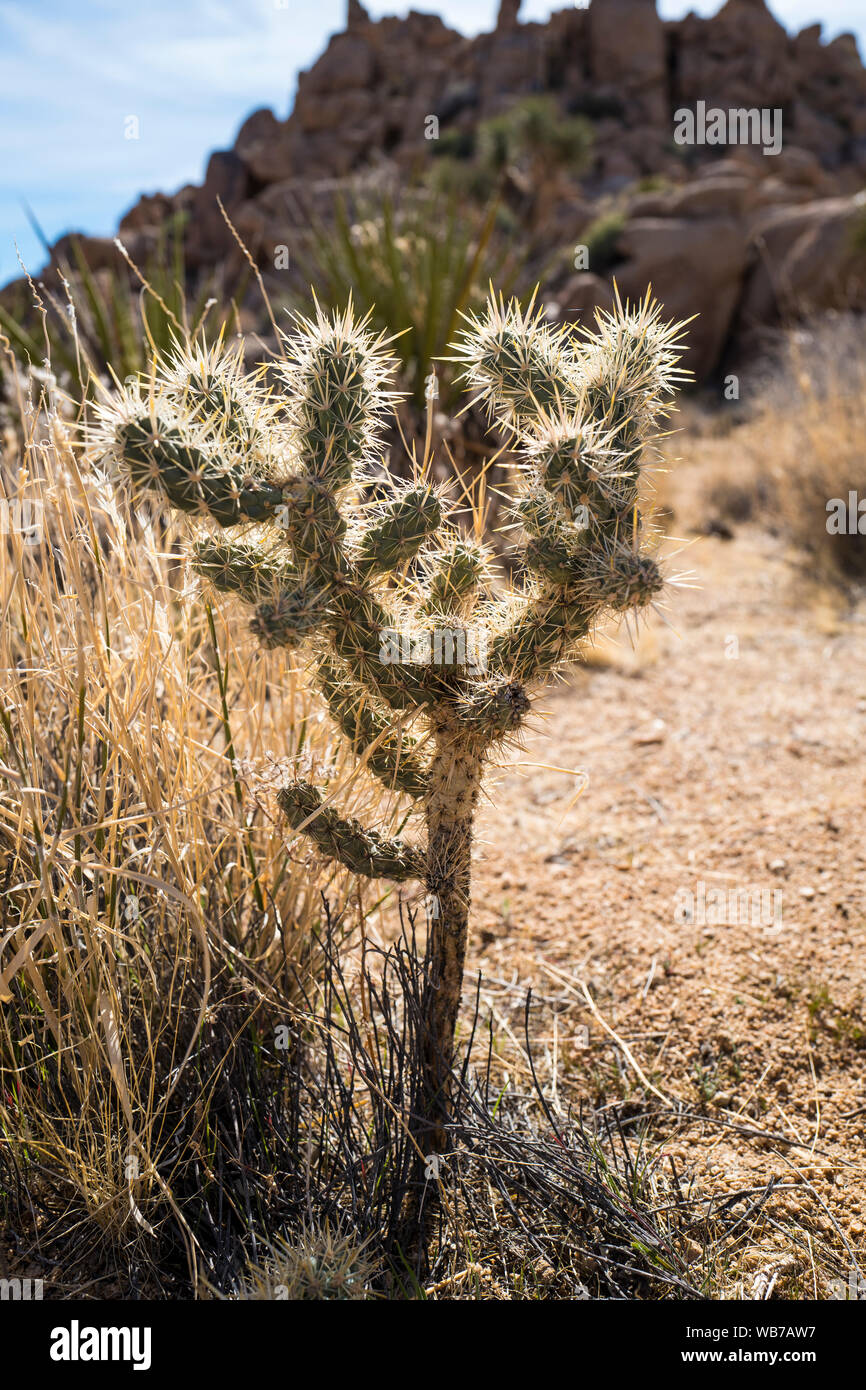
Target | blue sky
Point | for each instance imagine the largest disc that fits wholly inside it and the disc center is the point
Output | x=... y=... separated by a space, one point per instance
x=72 y=71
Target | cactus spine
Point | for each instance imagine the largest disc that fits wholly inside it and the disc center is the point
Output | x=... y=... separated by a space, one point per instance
x=387 y=598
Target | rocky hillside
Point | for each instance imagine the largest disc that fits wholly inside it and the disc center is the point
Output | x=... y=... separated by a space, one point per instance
x=740 y=237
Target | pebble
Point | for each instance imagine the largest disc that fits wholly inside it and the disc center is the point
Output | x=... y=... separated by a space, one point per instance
x=653 y=733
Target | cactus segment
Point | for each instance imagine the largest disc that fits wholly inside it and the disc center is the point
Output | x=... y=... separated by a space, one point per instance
x=365 y=852
x=160 y=457
x=394 y=759
x=401 y=528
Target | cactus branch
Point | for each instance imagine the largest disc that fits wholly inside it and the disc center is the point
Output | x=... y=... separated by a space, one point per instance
x=394 y=758
x=365 y=852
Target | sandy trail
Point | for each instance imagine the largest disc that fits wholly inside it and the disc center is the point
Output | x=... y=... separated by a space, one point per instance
x=729 y=756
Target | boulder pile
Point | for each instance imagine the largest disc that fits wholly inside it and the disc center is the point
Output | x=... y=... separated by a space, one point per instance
x=740 y=237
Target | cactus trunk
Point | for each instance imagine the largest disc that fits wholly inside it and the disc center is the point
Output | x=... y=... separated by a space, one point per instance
x=455 y=779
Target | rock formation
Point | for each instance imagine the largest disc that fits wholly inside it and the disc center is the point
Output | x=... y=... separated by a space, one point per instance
x=736 y=236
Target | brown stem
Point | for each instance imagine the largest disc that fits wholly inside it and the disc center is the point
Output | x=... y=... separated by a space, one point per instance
x=455 y=777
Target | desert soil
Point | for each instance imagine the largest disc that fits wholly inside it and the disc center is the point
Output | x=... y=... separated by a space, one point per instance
x=727 y=752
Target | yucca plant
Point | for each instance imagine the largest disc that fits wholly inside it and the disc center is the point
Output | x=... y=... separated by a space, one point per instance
x=426 y=666
x=420 y=260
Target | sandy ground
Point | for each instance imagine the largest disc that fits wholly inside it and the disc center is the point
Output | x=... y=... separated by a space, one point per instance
x=728 y=754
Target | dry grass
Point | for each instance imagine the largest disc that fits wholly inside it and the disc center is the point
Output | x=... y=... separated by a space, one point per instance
x=797 y=444
x=144 y=882
x=812 y=428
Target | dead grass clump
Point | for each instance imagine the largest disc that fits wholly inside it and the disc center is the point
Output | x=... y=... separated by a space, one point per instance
x=151 y=910
x=796 y=466
x=810 y=436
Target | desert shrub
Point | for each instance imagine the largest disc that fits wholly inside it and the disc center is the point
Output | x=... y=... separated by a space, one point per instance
x=600 y=239
x=523 y=152
x=805 y=444
x=535 y=132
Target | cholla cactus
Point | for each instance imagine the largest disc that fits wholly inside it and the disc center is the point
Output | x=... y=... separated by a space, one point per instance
x=425 y=664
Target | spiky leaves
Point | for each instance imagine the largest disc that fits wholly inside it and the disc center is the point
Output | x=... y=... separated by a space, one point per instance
x=247 y=567
x=620 y=377
x=210 y=389
x=390 y=602
x=584 y=469
x=291 y=616
x=630 y=369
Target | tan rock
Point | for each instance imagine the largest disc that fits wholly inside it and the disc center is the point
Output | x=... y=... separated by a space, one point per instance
x=337 y=111
x=581 y=296
x=727 y=196
x=627 y=50
x=741 y=57
x=808 y=258
x=694 y=267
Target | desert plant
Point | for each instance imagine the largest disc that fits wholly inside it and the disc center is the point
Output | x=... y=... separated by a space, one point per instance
x=419 y=260
x=535 y=132
x=529 y=146
x=397 y=610
x=323 y=1266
